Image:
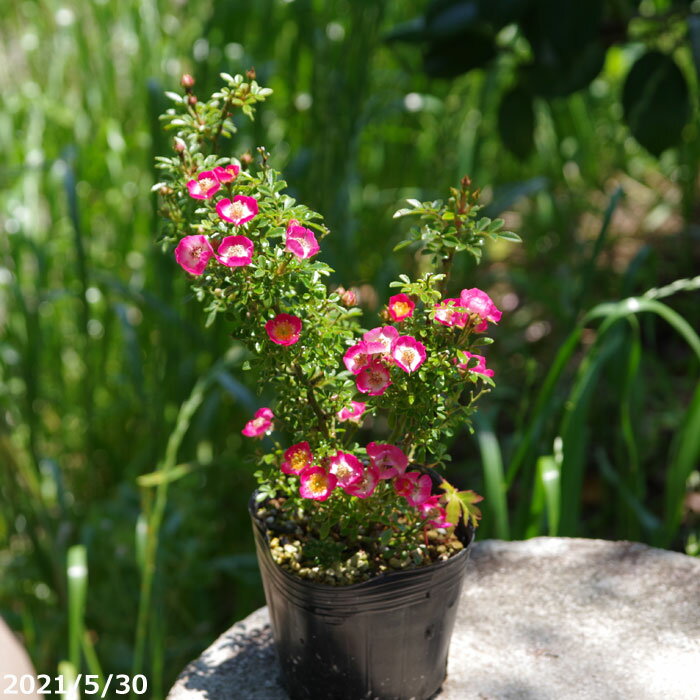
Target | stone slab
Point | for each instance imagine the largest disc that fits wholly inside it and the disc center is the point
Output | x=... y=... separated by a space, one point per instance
x=543 y=619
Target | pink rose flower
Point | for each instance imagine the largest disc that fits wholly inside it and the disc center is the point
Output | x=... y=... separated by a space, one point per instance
x=352 y=413
x=346 y=468
x=400 y=307
x=408 y=353
x=373 y=379
x=414 y=487
x=193 y=253
x=239 y=211
x=479 y=368
x=260 y=425
x=316 y=483
x=357 y=357
x=235 y=251
x=479 y=304
x=205 y=186
x=383 y=337
x=284 y=329
x=366 y=484
x=389 y=460
x=297 y=458
x=227 y=174
x=434 y=513
x=301 y=242
x=449 y=312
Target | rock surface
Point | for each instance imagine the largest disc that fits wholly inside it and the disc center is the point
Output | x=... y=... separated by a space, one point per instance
x=543 y=619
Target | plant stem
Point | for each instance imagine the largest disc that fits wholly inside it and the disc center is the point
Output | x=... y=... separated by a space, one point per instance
x=322 y=417
x=224 y=114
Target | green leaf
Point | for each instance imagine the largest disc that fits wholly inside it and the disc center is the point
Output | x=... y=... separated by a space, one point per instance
x=656 y=102
x=159 y=477
x=448 y=58
x=402 y=244
x=471 y=512
x=411 y=31
x=460 y=504
x=509 y=236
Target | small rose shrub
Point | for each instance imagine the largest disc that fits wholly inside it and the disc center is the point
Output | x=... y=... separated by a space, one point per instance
x=254 y=255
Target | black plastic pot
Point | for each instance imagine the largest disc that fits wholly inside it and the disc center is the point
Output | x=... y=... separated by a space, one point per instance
x=383 y=639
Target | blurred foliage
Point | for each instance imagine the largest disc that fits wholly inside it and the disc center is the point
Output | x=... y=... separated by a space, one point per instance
x=101 y=349
x=558 y=47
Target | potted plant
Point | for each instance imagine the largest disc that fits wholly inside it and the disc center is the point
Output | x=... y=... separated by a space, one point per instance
x=362 y=546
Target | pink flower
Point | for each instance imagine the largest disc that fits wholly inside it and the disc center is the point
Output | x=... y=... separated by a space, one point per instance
x=235 y=251
x=261 y=423
x=449 y=312
x=408 y=353
x=414 y=487
x=383 y=337
x=434 y=513
x=193 y=253
x=238 y=211
x=373 y=379
x=205 y=186
x=301 y=242
x=389 y=460
x=227 y=174
x=366 y=484
x=357 y=357
x=479 y=368
x=400 y=307
x=316 y=483
x=297 y=458
x=353 y=413
x=480 y=305
x=346 y=468
x=284 y=329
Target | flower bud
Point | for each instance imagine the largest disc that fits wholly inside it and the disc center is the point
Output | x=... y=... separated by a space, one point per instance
x=348 y=297
x=165 y=190
x=246 y=159
x=179 y=145
x=187 y=81
x=192 y=100
x=250 y=73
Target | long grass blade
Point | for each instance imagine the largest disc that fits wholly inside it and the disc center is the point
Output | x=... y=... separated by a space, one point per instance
x=598 y=246
x=646 y=518
x=574 y=430
x=77 y=572
x=157 y=511
x=549 y=476
x=494 y=481
x=685 y=457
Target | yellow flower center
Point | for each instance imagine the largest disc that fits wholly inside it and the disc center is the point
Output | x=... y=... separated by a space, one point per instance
x=342 y=471
x=299 y=461
x=408 y=356
x=401 y=308
x=236 y=251
x=284 y=330
x=317 y=483
x=376 y=378
x=206 y=183
x=236 y=210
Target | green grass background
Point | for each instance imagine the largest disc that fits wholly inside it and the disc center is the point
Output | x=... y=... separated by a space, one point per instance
x=108 y=374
